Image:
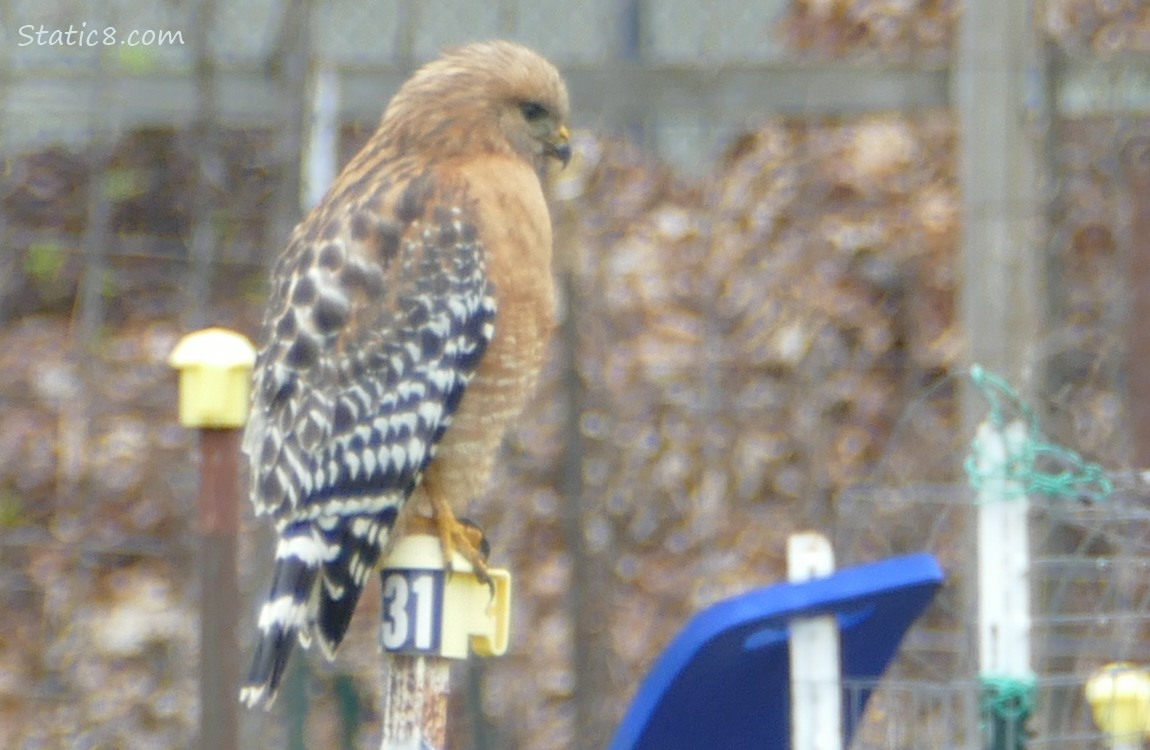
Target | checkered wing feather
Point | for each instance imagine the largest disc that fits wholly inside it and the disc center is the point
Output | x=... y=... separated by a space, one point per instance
x=377 y=323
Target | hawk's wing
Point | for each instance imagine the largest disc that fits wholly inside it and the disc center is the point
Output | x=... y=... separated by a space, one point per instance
x=378 y=320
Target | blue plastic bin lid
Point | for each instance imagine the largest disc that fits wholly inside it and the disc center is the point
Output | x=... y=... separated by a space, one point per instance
x=724 y=682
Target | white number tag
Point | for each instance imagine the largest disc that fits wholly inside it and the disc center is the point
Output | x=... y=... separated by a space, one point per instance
x=412 y=611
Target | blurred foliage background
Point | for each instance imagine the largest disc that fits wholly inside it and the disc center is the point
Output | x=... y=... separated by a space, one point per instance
x=760 y=252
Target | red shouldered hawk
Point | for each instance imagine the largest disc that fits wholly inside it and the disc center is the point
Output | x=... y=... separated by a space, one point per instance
x=406 y=326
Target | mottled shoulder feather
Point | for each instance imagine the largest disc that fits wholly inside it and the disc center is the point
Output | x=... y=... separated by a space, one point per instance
x=374 y=328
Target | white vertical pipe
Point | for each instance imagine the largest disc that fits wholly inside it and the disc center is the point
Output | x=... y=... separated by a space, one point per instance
x=1003 y=555
x=816 y=680
x=321 y=141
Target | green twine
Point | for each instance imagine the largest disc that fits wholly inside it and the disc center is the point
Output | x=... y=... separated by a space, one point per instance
x=1005 y=703
x=1008 y=697
x=1002 y=397
x=1078 y=475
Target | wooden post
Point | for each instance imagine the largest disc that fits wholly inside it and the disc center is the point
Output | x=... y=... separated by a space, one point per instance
x=215 y=370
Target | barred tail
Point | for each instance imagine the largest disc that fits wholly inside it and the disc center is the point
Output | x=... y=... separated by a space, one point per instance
x=319 y=575
x=360 y=541
x=286 y=615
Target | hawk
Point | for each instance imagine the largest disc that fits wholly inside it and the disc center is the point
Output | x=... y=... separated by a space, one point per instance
x=406 y=326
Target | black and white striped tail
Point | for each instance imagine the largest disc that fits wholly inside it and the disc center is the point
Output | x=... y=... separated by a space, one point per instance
x=319 y=574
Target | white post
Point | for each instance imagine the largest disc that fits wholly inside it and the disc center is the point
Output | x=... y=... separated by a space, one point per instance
x=816 y=680
x=1003 y=555
x=321 y=139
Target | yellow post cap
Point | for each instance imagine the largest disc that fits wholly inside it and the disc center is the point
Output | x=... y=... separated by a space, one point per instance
x=473 y=617
x=215 y=367
x=1119 y=696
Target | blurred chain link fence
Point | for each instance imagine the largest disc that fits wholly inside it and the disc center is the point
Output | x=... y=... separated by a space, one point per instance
x=760 y=300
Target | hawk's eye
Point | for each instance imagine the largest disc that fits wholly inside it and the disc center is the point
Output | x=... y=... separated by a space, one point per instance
x=533 y=111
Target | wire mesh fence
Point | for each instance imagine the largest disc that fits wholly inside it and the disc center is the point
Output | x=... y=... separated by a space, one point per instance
x=1085 y=583
x=757 y=330
x=906 y=714
x=1088 y=609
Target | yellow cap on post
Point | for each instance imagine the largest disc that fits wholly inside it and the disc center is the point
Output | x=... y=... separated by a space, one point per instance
x=1119 y=695
x=473 y=616
x=215 y=367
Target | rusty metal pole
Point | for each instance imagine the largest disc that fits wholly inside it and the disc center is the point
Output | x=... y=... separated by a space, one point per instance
x=215 y=370
x=219 y=597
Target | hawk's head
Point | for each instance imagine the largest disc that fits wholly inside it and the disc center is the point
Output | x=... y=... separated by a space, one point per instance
x=495 y=96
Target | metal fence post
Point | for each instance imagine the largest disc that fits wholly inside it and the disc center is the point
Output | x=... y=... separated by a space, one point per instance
x=215 y=369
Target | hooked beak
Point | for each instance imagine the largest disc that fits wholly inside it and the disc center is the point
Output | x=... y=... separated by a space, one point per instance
x=561 y=147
